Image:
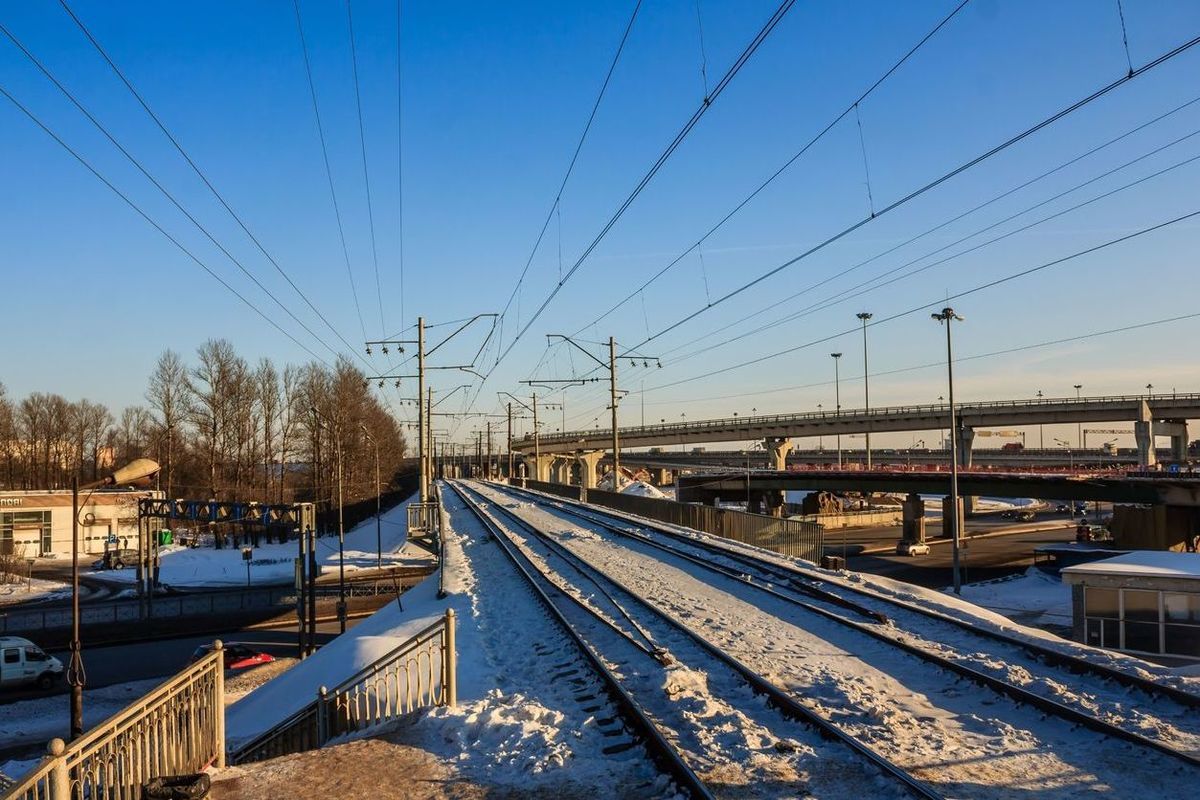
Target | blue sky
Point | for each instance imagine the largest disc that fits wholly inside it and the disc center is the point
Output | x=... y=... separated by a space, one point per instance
x=495 y=96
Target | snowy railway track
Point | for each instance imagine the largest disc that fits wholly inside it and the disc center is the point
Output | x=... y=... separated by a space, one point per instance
x=666 y=644
x=771 y=579
x=885 y=606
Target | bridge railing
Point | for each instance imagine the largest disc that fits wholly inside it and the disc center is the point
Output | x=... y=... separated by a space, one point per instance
x=826 y=416
x=419 y=673
x=178 y=728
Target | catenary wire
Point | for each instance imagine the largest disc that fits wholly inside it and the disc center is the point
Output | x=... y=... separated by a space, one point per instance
x=87 y=165
x=362 y=141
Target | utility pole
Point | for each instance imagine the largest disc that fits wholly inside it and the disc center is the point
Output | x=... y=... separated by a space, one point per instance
x=510 y=452
x=947 y=316
x=612 y=389
x=537 y=443
x=428 y=438
x=864 y=317
x=422 y=478
x=1078 y=425
x=837 y=395
x=488 y=469
x=378 y=501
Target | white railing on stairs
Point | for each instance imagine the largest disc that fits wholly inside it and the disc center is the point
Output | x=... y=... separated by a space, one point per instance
x=420 y=673
x=178 y=728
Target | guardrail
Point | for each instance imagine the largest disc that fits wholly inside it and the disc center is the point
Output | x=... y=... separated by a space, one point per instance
x=178 y=728
x=420 y=673
x=423 y=517
x=785 y=536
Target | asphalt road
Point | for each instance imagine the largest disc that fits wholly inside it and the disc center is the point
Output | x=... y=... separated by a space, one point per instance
x=164 y=657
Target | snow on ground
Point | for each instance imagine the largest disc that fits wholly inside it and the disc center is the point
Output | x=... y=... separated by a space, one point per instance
x=273 y=563
x=643 y=489
x=21 y=591
x=969 y=742
x=512 y=727
x=36 y=721
x=1035 y=597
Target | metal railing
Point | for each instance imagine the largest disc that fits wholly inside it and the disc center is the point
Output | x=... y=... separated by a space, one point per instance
x=178 y=728
x=789 y=537
x=851 y=415
x=420 y=673
x=424 y=517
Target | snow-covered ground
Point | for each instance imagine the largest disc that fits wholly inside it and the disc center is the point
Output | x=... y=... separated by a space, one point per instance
x=273 y=563
x=1034 y=597
x=22 y=591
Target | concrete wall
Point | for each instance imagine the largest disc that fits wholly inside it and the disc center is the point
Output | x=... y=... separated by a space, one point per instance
x=855 y=519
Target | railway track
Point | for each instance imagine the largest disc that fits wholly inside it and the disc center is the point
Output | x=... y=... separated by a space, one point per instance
x=662 y=643
x=776 y=581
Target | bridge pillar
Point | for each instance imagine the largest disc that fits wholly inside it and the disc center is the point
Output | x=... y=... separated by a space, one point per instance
x=1177 y=430
x=778 y=449
x=542 y=466
x=662 y=476
x=966 y=443
x=913 y=530
x=1143 y=434
x=588 y=461
x=560 y=468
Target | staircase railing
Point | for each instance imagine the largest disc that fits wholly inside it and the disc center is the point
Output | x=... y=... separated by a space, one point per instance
x=420 y=673
x=178 y=728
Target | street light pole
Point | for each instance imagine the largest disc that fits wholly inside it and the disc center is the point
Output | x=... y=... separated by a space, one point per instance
x=1078 y=425
x=864 y=317
x=947 y=316
x=612 y=390
x=378 y=502
x=837 y=395
x=135 y=471
x=1041 y=429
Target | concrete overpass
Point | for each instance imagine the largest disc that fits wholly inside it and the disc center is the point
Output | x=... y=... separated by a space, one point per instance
x=1151 y=416
x=1027 y=459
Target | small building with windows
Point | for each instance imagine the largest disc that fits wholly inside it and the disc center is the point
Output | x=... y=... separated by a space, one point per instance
x=1144 y=602
x=37 y=523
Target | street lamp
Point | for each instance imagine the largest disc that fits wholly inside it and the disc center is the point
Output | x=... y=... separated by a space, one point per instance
x=863 y=317
x=946 y=317
x=337 y=439
x=1078 y=425
x=1150 y=389
x=837 y=395
x=378 y=503
x=1041 y=431
x=135 y=472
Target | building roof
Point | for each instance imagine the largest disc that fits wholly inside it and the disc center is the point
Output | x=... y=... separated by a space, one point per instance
x=1143 y=564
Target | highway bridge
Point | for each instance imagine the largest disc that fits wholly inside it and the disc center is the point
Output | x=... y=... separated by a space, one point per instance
x=1151 y=416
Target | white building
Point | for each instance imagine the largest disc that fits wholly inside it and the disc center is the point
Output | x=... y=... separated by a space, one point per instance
x=38 y=523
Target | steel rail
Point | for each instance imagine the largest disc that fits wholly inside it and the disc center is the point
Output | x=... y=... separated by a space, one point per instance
x=998 y=685
x=784 y=702
x=1049 y=655
x=660 y=750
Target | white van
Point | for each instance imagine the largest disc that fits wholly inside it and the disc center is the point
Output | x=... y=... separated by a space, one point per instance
x=22 y=663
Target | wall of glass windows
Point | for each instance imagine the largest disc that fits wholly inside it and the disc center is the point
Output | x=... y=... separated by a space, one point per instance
x=1151 y=621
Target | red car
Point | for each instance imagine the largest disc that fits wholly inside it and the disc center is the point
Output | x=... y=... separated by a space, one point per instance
x=237 y=656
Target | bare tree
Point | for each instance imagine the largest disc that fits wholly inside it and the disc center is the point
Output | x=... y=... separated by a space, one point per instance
x=210 y=384
x=168 y=397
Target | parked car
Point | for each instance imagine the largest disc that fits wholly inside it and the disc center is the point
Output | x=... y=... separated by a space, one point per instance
x=1025 y=515
x=237 y=655
x=23 y=663
x=116 y=559
x=1062 y=508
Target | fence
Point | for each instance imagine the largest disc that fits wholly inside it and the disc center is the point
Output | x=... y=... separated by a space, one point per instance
x=418 y=674
x=560 y=489
x=785 y=536
x=423 y=517
x=178 y=728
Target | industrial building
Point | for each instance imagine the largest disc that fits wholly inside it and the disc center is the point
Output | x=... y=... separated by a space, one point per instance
x=37 y=523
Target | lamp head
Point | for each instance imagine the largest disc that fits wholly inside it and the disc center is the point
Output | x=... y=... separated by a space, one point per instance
x=138 y=471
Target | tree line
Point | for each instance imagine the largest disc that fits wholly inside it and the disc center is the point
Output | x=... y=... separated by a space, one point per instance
x=218 y=426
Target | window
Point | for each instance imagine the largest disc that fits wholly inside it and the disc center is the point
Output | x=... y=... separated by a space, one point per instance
x=1184 y=608
x=1101 y=603
x=38 y=521
x=12 y=656
x=1182 y=640
x=33 y=654
x=1142 y=636
x=1141 y=606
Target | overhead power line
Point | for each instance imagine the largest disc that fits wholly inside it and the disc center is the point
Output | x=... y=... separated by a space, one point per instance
x=955 y=296
x=196 y=168
x=165 y=192
x=362 y=140
x=783 y=167
x=574 y=157
x=337 y=213
x=88 y=166
x=720 y=87
x=961 y=168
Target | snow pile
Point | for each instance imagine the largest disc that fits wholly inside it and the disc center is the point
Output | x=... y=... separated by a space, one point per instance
x=273 y=563
x=1033 y=598
x=22 y=590
x=643 y=489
